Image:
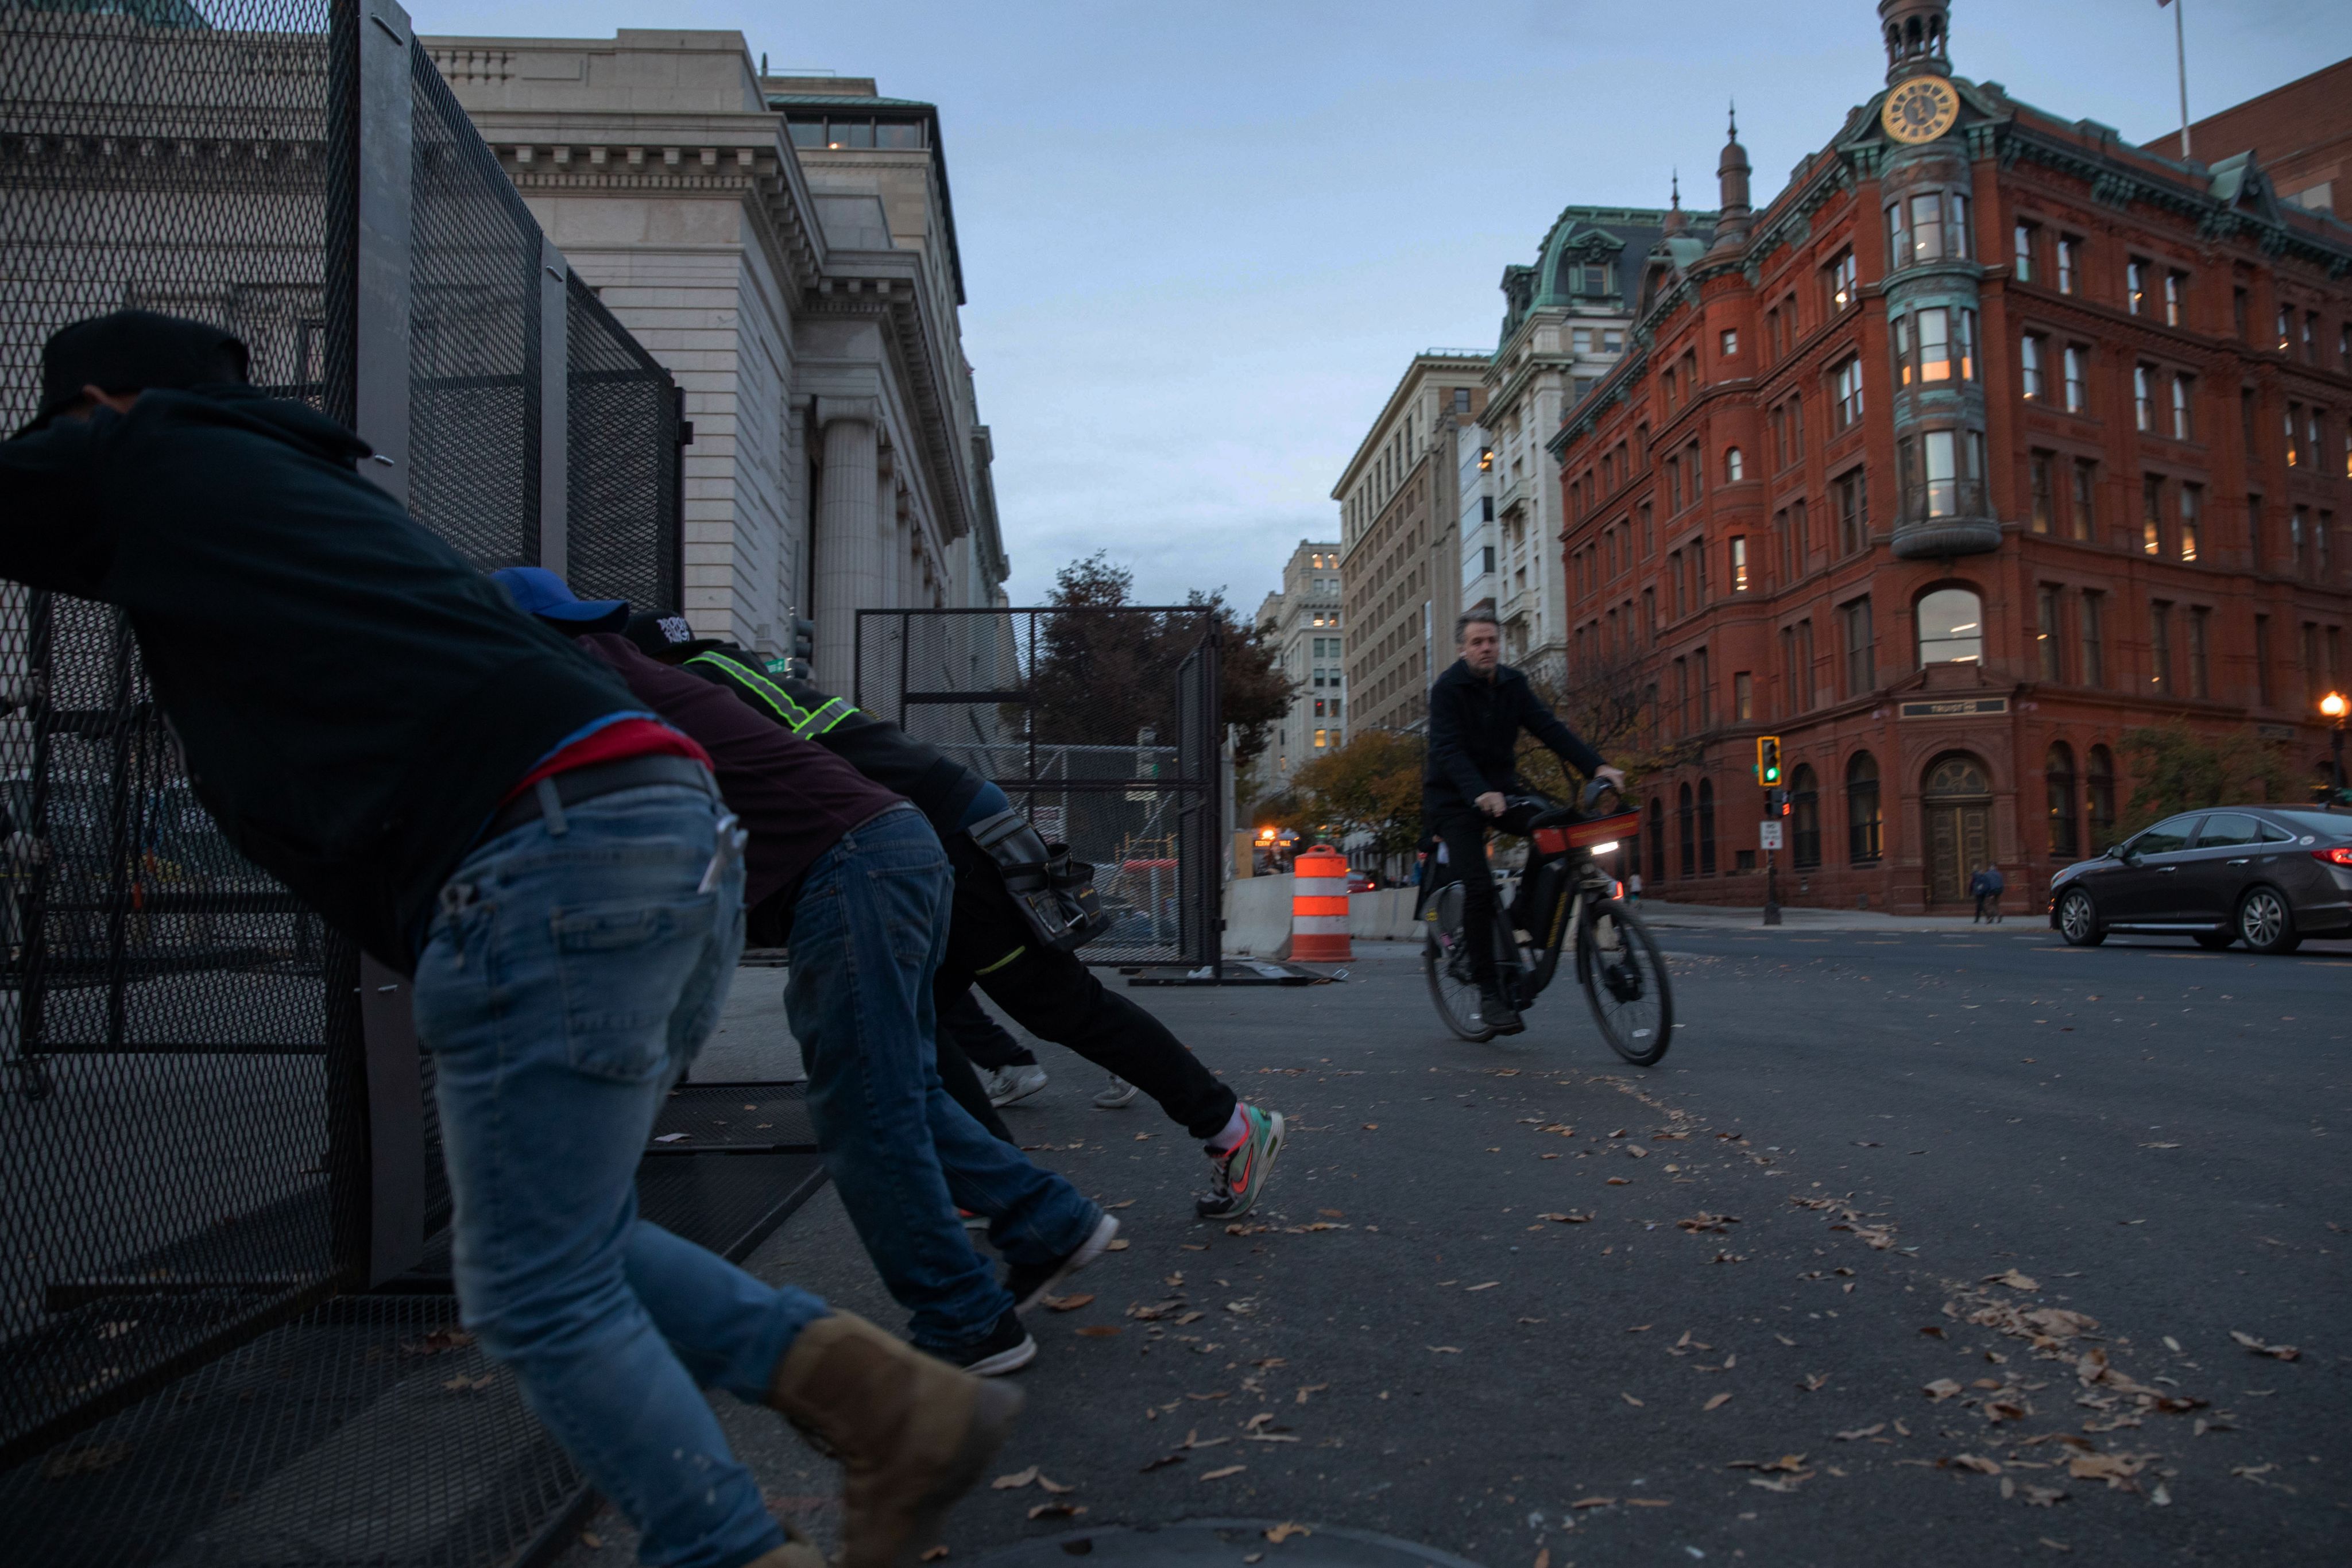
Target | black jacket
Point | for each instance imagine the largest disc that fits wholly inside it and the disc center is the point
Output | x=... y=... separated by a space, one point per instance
x=352 y=697
x=1473 y=734
x=941 y=788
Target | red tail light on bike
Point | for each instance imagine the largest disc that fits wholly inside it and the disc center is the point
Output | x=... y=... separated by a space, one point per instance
x=1551 y=840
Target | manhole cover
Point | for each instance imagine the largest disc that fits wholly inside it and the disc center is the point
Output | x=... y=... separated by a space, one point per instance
x=1222 y=1542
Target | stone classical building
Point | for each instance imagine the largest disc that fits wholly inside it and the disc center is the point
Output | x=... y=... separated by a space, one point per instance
x=1301 y=623
x=1565 y=322
x=1988 y=440
x=1399 y=516
x=786 y=246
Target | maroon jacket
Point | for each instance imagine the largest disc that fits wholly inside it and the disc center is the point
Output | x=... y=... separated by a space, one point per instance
x=794 y=796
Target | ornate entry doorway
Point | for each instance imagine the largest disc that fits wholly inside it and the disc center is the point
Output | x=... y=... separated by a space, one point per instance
x=1957 y=802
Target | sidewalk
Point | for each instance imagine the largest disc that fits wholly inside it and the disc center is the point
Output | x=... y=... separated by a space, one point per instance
x=1721 y=917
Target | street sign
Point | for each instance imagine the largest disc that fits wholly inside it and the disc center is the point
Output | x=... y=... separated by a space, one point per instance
x=1767 y=834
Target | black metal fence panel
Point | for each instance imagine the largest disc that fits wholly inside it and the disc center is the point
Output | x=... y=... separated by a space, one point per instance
x=185 y=1117
x=1103 y=725
x=179 y=1166
x=626 y=536
x=474 y=348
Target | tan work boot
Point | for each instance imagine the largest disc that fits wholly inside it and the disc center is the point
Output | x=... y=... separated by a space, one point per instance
x=912 y=1433
x=798 y=1552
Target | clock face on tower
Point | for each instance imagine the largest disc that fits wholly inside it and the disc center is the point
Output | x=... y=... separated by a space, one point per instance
x=1920 y=109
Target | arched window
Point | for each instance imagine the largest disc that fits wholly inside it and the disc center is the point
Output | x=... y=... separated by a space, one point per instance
x=1805 y=814
x=1865 y=835
x=1657 y=837
x=2099 y=797
x=1684 y=822
x=1951 y=627
x=2058 y=784
x=1733 y=466
x=1706 y=827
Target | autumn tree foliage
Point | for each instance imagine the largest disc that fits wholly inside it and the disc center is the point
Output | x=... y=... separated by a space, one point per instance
x=1369 y=786
x=1101 y=677
x=2173 y=769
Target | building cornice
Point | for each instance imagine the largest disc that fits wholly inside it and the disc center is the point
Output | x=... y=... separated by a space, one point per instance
x=1423 y=364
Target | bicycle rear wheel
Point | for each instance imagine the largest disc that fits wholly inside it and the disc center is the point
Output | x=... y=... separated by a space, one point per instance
x=1624 y=976
x=1446 y=967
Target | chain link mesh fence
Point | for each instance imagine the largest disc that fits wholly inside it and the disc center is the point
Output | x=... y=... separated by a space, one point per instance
x=184 y=1102
x=1103 y=725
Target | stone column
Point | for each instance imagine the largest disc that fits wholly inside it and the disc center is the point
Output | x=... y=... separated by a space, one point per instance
x=848 y=575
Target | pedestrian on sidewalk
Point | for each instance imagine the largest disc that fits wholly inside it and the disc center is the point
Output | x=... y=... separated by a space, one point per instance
x=1995 y=885
x=1046 y=989
x=1634 y=887
x=865 y=914
x=1986 y=887
x=458 y=793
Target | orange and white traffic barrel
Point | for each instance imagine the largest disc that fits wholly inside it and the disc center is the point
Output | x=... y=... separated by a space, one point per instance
x=1319 y=907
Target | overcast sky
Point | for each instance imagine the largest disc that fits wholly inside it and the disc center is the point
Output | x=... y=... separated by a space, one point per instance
x=1201 y=240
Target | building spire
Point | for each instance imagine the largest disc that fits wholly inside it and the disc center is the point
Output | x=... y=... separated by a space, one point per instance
x=1676 y=219
x=1731 y=180
x=1918 y=34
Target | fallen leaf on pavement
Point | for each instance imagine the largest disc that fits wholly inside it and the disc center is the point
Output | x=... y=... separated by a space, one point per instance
x=935 y=1554
x=2054 y=1545
x=1099 y=1330
x=1221 y=1475
x=2014 y=1280
x=1978 y=1463
x=1861 y=1432
x=1117 y=1246
x=2115 y=1469
x=1487 y=1286
x=1717 y=1401
x=1311 y=1388
x=1068 y=1303
x=1777 y=1483
x=1014 y=1481
x=1161 y=1463
x=1446 y=1349
x=2042 y=1497
x=2280 y=1352
x=1941 y=1389
x=1592 y=1503
x=1371 y=1127
x=1194 y=1440
x=1284 y=1530
x=1566 y=1218
x=1619 y=1181
x=1703 y=1220
x=1628 y=1398
x=1046 y=1483
x=1813 y=1385
x=1650 y=1503
x=1057 y=1510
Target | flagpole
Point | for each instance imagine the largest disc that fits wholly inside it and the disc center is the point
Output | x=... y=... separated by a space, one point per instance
x=2180 y=54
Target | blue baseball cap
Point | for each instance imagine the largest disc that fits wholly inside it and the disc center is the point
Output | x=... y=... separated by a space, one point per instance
x=539 y=592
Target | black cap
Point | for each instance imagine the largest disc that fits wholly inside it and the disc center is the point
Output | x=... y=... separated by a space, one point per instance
x=134 y=351
x=667 y=637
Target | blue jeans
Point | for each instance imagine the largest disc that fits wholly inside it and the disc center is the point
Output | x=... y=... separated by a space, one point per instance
x=867 y=931
x=575 y=965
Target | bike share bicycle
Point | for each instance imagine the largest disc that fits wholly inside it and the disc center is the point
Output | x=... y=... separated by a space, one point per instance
x=1565 y=901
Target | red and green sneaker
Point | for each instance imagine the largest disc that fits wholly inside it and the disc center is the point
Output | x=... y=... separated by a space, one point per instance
x=1238 y=1176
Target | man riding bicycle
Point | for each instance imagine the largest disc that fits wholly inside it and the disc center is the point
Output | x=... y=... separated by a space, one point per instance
x=1477 y=710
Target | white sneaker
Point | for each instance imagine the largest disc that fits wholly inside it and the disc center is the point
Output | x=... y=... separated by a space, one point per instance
x=1117 y=1096
x=1006 y=1085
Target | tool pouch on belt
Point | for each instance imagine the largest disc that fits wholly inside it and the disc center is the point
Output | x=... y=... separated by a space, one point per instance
x=1055 y=893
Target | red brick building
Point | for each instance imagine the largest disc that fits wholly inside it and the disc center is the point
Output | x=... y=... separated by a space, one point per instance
x=1989 y=438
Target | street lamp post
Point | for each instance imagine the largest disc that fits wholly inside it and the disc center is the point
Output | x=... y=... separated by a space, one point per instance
x=2332 y=706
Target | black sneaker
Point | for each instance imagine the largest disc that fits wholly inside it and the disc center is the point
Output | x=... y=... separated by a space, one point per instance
x=1496 y=1013
x=1030 y=1283
x=1005 y=1348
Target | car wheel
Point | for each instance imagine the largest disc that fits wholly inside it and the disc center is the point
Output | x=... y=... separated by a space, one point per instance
x=2214 y=941
x=2265 y=924
x=2078 y=920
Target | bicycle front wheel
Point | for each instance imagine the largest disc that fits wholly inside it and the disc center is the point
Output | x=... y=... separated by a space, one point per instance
x=1624 y=976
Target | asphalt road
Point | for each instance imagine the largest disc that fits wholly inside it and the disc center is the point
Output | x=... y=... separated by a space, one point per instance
x=1793 y=1223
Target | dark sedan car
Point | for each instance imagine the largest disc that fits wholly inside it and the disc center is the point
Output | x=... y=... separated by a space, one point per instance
x=2268 y=876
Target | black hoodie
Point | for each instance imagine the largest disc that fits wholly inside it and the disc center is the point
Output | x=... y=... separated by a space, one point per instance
x=353 y=700
x=1474 y=736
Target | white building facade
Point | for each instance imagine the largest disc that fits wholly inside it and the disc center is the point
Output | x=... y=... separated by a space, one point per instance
x=1302 y=625
x=786 y=247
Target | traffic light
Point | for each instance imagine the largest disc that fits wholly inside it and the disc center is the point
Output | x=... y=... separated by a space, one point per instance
x=804 y=645
x=1768 y=761
x=1776 y=801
